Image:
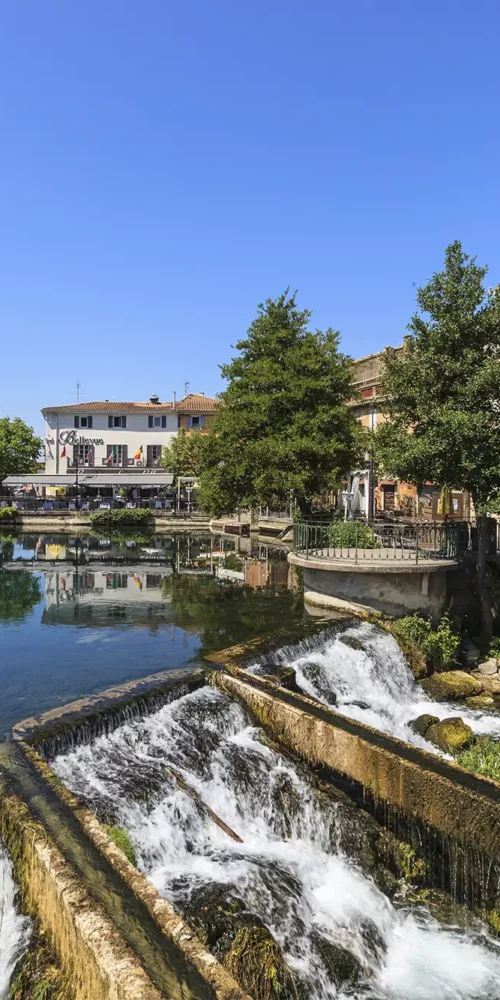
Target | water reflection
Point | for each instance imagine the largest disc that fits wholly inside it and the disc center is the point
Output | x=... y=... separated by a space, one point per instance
x=99 y=610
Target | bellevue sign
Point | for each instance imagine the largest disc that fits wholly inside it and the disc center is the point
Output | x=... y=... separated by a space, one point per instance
x=71 y=437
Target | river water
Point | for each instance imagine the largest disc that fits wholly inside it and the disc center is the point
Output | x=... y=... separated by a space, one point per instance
x=361 y=672
x=15 y=929
x=292 y=869
x=78 y=615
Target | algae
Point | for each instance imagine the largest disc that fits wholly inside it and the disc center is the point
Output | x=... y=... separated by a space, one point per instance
x=256 y=961
x=38 y=975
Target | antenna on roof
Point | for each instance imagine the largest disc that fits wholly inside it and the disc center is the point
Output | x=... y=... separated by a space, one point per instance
x=186 y=388
x=78 y=392
x=174 y=394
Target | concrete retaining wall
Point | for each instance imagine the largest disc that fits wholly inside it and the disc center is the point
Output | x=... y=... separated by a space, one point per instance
x=90 y=949
x=423 y=787
x=220 y=984
x=393 y=593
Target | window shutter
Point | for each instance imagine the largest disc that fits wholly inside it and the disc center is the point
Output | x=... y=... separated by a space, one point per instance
x=89 y=421
x=77 y=421
x=163 y=421
x=202 y=420
x=150 y=421
x=124 y=421
x=110 y=421
x=190 y=422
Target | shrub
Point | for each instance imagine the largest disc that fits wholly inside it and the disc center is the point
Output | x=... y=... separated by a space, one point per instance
x=440 y=646
x=7 y=512
x=121 y=518
x=482 y=758
x=494 y=648
x=348 y=534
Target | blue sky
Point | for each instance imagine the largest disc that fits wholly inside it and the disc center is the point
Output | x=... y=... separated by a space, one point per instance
x=167 y=164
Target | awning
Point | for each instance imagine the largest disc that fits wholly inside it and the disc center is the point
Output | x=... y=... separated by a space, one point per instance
x=114 y=478
x=38 y=479
x=126 y=479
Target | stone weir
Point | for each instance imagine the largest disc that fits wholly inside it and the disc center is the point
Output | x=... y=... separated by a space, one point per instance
x=116 y=938
x=450 y=815
x=108 y=924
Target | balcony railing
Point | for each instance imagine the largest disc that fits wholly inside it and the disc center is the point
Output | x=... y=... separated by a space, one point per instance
x=361 y=542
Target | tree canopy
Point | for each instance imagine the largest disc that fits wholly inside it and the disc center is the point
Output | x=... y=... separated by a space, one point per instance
x=443 y=395
x=283 y=426
x=19 y=447
x=443 y=389
x=184 y=456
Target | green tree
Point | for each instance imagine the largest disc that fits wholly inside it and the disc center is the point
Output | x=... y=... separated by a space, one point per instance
x=443 y=394
x=184 y=457
x=19 y=447
x=283 y=425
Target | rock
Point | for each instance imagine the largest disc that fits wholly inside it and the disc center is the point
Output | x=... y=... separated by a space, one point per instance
x=490 y=684
x=480 y=701
x=423 y=723
x=454 y=684
x=450 y=735
x=360 y=704
x=470 y=653
x=488 y=667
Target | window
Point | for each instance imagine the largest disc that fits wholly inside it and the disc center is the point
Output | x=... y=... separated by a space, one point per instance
x=157 y=421
x=116 y=454
x=117 y=421
x=154 y=454
x=116 y=581
x=83 y=421
x=196 y=421
x=83 y=454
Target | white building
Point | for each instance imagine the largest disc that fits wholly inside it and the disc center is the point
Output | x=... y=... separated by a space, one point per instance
x=107 y=436
x=110 y=444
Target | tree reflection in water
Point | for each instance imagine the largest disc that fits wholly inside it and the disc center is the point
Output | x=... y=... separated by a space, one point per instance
x=19 y=593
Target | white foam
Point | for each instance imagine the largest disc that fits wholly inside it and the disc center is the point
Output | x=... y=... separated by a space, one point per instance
x=377 y=677
x=15 y=929
x=289 y=869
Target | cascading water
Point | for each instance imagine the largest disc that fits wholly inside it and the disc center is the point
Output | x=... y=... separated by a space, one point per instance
x=15 y=929
x=363 y=673
x=291 y=868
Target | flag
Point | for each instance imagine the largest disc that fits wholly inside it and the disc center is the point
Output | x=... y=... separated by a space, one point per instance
x=63 y=453
x=89 y=456
x=113 y=453
x=138 y=454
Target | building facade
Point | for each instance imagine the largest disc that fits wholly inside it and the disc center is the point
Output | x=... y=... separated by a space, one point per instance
x=107 y=437
x=370 y=496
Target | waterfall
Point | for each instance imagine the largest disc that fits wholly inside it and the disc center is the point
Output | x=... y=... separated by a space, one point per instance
x=15 y=929
x=363 y=673
x=292 y=868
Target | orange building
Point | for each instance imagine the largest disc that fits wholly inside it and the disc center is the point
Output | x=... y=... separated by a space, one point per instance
x=385 y=494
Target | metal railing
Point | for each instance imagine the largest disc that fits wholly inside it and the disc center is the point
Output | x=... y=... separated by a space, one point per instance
x=361 y=542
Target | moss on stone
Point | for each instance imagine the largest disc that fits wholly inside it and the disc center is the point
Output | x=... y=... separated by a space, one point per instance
x=493 y=918
x=121 y=838
x=450 y=735
x=484 y=701
x=411 y=867
x=451 y=685
x=421 y=724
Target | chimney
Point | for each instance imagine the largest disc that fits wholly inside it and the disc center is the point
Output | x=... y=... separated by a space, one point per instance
x=201 y=393
x=154 y=399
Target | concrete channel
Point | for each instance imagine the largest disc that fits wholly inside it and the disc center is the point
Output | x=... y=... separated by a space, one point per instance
x=109 y=922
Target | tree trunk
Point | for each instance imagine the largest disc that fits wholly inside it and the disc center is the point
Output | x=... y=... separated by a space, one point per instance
x=483 y=542
x=304 y=506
